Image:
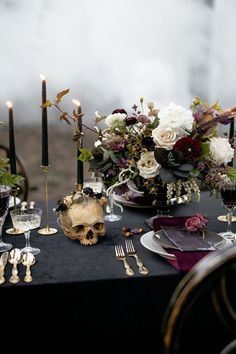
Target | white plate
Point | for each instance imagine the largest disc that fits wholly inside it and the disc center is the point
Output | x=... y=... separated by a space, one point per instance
x=212 y=237
x=129 y=203
x=148 y=242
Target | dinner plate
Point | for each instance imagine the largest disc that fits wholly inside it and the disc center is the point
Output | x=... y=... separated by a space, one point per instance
x=148 y=242
x=212 y=238
x=122 y=200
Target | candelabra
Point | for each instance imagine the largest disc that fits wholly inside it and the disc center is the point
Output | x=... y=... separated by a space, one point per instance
x=47 y=230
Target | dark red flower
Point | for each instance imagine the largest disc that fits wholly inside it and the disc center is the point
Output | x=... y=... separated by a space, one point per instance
x=148 y=143
x=130 y=120
x=119 y=110
x=191 y=148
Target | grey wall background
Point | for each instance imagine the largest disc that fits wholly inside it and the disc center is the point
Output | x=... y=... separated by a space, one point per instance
x=109 y=52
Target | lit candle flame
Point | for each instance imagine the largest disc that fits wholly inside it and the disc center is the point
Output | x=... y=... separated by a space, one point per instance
x=42 y=77
x=9 y=104
x=76 y=102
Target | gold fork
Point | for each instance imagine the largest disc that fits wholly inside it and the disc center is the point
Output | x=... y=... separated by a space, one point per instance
x=120 y=254
x=131 y=252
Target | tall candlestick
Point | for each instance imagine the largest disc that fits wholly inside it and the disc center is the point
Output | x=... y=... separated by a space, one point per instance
x=44 y=124
x=80 y=168
x=12 y=152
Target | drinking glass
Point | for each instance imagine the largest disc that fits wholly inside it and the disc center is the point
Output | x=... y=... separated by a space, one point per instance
x=27 y=220
x=228 y=195
x=111 y=216
x=4 y=205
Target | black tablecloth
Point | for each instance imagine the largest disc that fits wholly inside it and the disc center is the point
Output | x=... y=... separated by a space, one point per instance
x=86 y=289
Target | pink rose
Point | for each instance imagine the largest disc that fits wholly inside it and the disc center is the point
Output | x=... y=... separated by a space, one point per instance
x=196 y=222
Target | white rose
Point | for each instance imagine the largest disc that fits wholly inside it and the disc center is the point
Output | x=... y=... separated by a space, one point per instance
x=97 y=143
x=176 y=117
x=114 y=118
x=221 y=150
x=147 y=165
x=164 y=137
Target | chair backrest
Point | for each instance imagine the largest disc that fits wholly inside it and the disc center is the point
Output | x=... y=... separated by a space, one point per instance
x=202 y=308
x=24 y=187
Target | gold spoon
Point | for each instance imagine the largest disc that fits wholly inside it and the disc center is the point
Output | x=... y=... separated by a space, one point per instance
x=28 y=260
x=14 y=259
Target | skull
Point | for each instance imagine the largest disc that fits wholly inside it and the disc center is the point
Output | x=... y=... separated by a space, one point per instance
x=84 y=220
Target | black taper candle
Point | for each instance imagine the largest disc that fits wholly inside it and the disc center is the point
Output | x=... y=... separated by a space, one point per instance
x=80 y=167
x=44 y=126
x=12 y=152
x=231 y=138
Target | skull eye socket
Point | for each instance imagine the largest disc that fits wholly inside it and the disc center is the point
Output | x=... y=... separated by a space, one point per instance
x=79 y=228
x=98 y=226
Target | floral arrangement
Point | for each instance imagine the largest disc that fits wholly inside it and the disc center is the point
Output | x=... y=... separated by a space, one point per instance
x=172 y=149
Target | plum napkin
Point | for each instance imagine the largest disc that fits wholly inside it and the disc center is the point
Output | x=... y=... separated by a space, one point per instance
x=185 y=260
x=186 y=241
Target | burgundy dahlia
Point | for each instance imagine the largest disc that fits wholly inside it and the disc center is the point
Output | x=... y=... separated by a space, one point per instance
x=191 y=148
x=130 y=120
x=119 y=110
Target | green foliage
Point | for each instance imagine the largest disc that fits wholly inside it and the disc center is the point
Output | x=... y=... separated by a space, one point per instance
x=231 y=172
x=6 y=178
x=48 y=103
x=85 y=154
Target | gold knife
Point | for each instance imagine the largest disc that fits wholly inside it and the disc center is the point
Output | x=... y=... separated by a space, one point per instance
x=3 y=262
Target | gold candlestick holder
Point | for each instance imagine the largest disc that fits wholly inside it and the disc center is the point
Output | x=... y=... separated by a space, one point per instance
x=46 y=230
x=79 y=187
x=13 y=230
x=225 y=219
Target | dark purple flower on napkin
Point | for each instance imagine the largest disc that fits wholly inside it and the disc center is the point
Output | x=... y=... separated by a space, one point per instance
x=196 y=223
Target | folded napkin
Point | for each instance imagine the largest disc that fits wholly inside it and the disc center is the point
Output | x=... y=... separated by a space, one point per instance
x=186 y=241
x=185 y=260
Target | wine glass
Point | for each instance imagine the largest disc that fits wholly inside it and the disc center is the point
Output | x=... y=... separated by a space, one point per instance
x=4 y=205
x=27 y=220
x=228 y=195
x=111 y=216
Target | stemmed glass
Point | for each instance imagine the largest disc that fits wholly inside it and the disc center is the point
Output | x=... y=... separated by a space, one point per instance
x=4 y=205
x=111 y=216
x=228 y=195
x=27 y=220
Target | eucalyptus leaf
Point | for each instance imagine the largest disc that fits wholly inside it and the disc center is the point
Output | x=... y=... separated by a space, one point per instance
x=183 y=174
x=166 y=176
x=106 y=167
x=113 y=157
x=185 y=167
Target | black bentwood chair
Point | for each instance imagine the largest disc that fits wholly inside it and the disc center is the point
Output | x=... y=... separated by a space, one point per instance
x=24 y=187
x=201 y=315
